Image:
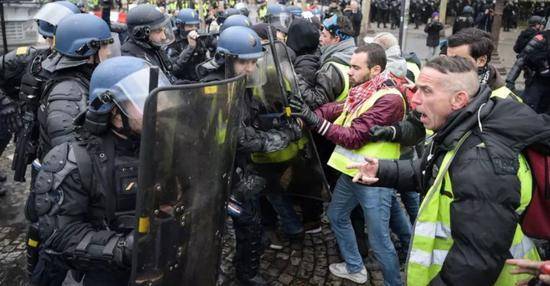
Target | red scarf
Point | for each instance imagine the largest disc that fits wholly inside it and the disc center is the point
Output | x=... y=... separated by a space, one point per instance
x=359 y=94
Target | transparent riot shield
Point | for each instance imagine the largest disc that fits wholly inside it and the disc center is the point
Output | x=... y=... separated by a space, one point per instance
x=298 y=167
x=186 y=159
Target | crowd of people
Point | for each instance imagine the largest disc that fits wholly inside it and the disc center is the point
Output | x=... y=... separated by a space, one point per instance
x=429 y=166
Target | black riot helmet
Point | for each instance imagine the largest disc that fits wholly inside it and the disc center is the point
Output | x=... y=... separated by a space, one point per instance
x=144 y=20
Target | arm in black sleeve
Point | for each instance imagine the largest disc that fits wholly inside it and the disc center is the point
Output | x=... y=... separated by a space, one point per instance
x=411 y=130
x=251 y=139
x=483 y=220
x=328 y=86
x=402 y=175
x=62 y=206
x=66 y=100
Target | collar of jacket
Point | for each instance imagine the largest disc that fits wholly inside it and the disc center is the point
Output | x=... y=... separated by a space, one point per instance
x=58 y=62
x=342 y=51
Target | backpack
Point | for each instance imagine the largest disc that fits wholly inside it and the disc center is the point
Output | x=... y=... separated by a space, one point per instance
x=535 y=221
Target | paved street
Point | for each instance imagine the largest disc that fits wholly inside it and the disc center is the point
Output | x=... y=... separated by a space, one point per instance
x=304 y=263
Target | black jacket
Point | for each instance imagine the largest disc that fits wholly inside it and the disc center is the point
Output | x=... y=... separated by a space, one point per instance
x=432 y=29
x=153 y=55
x=524 y=37
x=485 y=184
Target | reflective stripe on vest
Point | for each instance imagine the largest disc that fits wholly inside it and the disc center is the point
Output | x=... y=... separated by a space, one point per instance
x=432 y=238
x=280 y=156
x=504 y=92
x=342 y=157
x=343 y=70
x=413 y=68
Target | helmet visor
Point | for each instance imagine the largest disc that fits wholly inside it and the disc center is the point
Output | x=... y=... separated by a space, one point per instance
x=162 y=34
x=52 y=13
x=131 y=92
x=281 y=21
x=259 y=77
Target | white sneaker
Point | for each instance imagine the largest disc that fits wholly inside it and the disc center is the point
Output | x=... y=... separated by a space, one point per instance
x=340 y=270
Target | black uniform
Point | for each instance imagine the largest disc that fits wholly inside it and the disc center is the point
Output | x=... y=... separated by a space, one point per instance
x=64 y=97
x=462 y=22
x=253 y=136
x=524 y=37
x=18 y=67
x=84 y=201
x=186 y=58
x=154 y=55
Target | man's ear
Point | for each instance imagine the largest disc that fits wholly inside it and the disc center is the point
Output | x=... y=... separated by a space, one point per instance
x=460 y=100
x=481 y=61
x=116 y=118
x=376 y=70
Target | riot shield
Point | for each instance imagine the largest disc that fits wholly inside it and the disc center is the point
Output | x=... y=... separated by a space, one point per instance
x=303 y=174
x=186 y=159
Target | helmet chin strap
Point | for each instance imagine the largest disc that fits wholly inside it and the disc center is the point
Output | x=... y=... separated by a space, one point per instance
x=126 y=130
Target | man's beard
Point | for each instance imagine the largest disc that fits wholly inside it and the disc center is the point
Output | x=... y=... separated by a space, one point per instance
x=353 y=83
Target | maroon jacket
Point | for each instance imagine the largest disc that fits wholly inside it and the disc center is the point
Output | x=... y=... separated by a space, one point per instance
x=387 y=110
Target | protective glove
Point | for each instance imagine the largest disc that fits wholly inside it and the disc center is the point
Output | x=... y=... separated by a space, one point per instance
x=383 y=133
x=249 y=184
x=9 y=113
x=293 y=131
x=123 y=250
x=300 y=108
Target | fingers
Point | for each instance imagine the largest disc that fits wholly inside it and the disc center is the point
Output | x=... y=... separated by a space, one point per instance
x=545 y=278
x=524 y=263
x=355 y=165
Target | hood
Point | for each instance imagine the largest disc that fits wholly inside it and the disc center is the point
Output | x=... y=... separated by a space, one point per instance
x=396 y=64
x=303 y=36
x=56 y=62
x=499 y=122
x=341 y=51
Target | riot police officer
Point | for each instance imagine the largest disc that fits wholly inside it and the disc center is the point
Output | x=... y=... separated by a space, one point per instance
x=534 y=60
x=66 y=93
x=149 y=31
x=85 y=192
x=236 y=56
x=535 y=26
x=185 y=52
x=21 y=77
x=466 y=20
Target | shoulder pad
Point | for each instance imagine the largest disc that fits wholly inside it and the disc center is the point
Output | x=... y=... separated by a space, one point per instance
x=56 y=159
x=69 y=89
x=22 y=51
x=43 y=182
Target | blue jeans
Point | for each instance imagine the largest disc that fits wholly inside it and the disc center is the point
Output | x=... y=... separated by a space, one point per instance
x=289 y=219
x=399 y=223
x=376 y=204
x=411 y=200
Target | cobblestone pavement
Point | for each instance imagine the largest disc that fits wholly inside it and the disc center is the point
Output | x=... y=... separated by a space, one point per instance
x=300 y=263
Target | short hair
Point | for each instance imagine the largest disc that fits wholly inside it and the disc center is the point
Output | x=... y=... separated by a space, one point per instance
x=386 y=40
x=467 y=81
x=479 y=42
x=376 y=56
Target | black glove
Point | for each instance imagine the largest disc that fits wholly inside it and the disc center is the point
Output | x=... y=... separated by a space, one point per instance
x=249 y=184
x=9 y=113
x=383 y=133
x=300 y=108
x=294 y=131
x=123 y=250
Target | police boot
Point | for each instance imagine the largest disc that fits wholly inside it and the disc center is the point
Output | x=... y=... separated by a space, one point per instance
x=248 y=252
